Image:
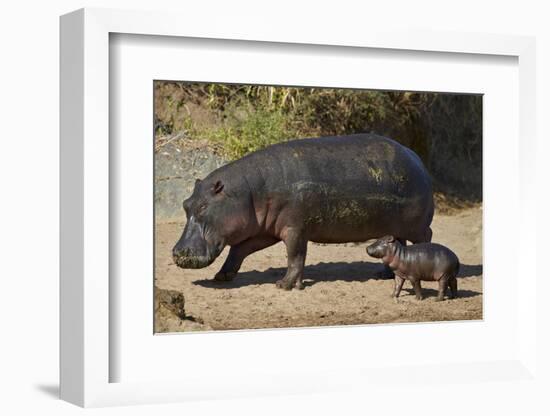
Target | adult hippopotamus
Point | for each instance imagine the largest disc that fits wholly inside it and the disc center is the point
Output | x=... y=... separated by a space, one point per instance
x=326 y=190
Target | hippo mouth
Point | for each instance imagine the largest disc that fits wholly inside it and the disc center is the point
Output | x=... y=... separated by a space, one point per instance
x=374 y=251
x=186 y=259
x=193 y=262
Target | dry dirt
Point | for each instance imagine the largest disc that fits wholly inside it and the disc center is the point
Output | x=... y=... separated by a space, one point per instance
x=341 y=285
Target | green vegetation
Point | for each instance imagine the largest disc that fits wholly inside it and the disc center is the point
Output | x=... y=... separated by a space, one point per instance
x=445 y=130
x=255 y=131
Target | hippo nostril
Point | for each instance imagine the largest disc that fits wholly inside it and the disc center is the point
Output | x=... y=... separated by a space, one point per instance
x=179 y=252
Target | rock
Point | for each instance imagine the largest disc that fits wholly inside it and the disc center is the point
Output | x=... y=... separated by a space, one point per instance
x=170 y=313
x=175 y=173
x=172 y=300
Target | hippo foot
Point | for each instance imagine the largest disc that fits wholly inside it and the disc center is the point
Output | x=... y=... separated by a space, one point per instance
x=439 y=299
x=284 y=284
x=224 y=276
x=419 y=298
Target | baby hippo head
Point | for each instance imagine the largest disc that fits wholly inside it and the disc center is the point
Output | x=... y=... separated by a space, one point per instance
x=382 y=246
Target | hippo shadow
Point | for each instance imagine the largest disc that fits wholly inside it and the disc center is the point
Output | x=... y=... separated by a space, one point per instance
x=428 y=292
x=469 y=270
x=359 y=271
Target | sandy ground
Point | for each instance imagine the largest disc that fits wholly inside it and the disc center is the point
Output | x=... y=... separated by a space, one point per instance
x=341 y=286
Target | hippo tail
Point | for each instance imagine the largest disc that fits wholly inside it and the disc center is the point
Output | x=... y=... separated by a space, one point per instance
x=431 y=211
x=457 y=267
x=428 y=233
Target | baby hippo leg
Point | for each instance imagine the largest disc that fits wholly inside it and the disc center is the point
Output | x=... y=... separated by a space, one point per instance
x=443 y=283
x=399 y=280
x=417 y=287
x=453 y=287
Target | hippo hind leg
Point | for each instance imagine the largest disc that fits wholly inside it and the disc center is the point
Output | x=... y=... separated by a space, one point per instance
x=428 y=235
x=238 y=253
x=443 y=283
x=296 y=248
x=447 y=280
x=453 y=286
x=425 y=236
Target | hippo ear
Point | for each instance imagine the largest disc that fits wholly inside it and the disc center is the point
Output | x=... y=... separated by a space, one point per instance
x=197 y=182
x=390 y=238
x=217 y=187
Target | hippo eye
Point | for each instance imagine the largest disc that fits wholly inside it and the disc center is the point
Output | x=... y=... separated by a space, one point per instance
x=202 y=207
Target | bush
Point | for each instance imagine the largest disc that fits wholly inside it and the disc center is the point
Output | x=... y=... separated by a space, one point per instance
x=255 y=131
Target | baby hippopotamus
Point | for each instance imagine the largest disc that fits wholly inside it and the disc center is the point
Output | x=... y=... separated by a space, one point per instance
x=423 y=261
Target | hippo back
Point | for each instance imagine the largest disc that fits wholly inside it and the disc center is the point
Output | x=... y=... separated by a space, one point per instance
x=341 y=188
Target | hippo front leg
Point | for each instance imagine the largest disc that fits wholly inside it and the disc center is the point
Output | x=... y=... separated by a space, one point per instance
x=417 y=287
x=296 y=248
x=399 y=280
x=238 y=253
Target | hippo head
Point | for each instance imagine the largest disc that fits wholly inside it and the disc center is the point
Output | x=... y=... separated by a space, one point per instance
x=214 y=218
x=382 y=246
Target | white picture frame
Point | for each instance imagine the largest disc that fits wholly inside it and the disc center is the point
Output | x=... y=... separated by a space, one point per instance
x=86 y=356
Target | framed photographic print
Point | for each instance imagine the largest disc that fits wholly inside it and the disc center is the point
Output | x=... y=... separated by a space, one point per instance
x=288 y=213
x=226 y=150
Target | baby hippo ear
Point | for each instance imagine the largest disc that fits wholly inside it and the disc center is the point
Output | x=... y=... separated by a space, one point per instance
x=217 y=187
x=389 y=238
